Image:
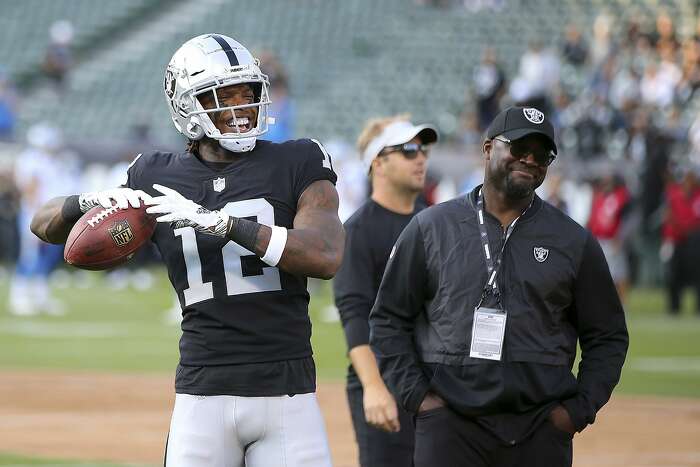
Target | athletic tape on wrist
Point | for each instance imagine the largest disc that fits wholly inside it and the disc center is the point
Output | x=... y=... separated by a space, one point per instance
x=71 y=211
x=278 y=240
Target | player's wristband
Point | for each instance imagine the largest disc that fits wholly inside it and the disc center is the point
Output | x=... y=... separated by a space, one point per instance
x=71 y=212
x=243 y=232
x=278 y=240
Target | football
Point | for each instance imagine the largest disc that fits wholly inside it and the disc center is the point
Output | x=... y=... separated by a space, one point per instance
x=105 y=238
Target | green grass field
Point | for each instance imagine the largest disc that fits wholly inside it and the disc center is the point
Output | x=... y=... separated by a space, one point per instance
x=126 y=331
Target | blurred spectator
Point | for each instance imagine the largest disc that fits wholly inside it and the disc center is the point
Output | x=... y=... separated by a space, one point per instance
x=43 y=171
x=489 y=86
x=538 y=76
x=690 y=70
x=602 y=43
x=469 y=134
x=665 y=35
x=8 y=108
x=610 y=205
x=649 y=149
x=624 y=89
x=282 y=107
x=9 y=206
x=574 y=50
x=659 y=82
x=59 y=58
x=552 y=191
x=353 y=182
x=681 y=238
x=694 y=139
x=590 y=137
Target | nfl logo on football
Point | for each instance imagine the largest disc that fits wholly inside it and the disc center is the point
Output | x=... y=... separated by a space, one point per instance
x=121 y=233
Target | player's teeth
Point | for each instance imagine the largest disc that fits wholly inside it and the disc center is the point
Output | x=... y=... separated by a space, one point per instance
x=241 y=122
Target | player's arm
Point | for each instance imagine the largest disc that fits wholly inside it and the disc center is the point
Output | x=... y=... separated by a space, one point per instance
x=49 y=223
x=314 y=246
x=54 y=220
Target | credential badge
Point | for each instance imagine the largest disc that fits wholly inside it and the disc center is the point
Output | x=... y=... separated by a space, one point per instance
x=121 y=232
x=540 y=254
x=533 y=115
x=219 y=184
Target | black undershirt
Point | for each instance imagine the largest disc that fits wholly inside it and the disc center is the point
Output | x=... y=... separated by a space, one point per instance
x=370 y=235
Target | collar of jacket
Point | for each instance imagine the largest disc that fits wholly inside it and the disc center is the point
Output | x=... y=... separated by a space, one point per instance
x=529 y=214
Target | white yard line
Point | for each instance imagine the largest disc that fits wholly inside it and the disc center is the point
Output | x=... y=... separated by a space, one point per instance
x=64 y=329
x=666 y=364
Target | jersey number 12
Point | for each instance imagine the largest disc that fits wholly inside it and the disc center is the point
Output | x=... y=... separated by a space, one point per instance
x=236 y=283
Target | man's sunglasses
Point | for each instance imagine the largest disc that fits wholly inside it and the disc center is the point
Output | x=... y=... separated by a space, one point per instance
x=520 y=151
x=409 y=150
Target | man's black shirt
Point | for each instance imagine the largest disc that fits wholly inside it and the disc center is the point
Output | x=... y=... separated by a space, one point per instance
x=370 y=234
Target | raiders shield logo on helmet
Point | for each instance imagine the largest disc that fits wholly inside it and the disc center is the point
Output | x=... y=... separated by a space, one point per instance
x=169 y=83
x=540 y=254
x=533 y=115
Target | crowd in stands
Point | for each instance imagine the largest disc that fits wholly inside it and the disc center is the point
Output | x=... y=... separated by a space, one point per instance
x=624 y=98
x=623 y=94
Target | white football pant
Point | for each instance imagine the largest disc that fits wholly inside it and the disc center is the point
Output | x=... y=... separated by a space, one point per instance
x=234 y=431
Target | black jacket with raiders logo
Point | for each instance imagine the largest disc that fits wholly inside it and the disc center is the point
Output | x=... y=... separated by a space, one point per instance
x=556 y=289
x=245 y=327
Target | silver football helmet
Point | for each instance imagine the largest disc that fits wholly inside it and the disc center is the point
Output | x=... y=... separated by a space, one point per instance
x=203 y=65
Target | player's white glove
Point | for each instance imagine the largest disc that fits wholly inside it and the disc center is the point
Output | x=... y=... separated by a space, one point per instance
x=123 y=197
x=182 y=212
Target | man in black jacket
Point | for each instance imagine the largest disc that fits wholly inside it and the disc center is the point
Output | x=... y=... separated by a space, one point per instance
x=480 y=309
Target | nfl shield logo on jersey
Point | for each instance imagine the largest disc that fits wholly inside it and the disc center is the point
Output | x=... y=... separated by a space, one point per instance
x=219 y=184
x=540 y=254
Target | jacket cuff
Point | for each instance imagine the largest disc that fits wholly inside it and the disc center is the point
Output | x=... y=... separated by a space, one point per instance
x=416 y=397
x=577 y=413
x=356 y=332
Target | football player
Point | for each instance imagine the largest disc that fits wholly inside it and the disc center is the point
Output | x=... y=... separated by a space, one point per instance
x=242 y=223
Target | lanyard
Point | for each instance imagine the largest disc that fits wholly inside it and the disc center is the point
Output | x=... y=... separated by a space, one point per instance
x=492 y=266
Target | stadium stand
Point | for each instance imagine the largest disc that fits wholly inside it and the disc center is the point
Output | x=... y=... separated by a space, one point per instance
x=346 y=60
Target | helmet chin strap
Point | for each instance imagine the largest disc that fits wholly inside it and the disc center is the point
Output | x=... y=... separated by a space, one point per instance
x=238 y=145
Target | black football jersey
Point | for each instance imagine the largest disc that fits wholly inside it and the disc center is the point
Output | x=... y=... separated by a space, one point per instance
x=236 y=309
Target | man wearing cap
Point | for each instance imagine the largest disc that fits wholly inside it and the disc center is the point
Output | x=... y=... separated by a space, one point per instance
x=482 y=304
x=394 y=152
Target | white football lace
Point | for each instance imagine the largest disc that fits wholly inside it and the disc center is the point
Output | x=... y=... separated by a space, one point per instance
x=94 y=220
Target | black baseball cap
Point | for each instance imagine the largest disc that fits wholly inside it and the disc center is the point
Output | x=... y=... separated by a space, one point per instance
x=516 y=122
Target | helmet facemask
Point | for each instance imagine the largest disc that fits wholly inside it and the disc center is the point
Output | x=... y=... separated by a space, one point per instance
x=200 y=68
x=238 y=139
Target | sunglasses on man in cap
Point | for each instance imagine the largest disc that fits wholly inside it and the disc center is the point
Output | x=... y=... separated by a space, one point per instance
x=408 y=150
x=518 y=150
